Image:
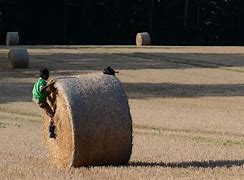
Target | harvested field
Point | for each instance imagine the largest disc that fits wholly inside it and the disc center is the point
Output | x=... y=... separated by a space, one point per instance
x=186 y=103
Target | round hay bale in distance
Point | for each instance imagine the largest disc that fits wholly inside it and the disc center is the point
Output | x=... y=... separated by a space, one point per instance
x=143 y=39
x=93 y=122
x=12 y=38
x=18 y=58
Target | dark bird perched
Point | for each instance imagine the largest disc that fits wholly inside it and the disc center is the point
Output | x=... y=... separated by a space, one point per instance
x=109 y=71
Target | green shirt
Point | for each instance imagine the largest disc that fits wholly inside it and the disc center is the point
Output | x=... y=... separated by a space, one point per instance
x=36 y=93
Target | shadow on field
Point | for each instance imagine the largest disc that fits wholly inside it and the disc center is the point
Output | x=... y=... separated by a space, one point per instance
x=191 y=60
x=19 y=91
x=67 y=63
x=191 y=164
x=16 y=92
x=14 y=88
x=168 y=90
x=130 y=61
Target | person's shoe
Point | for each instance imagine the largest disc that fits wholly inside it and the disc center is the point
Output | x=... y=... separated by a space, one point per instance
x=51 y=129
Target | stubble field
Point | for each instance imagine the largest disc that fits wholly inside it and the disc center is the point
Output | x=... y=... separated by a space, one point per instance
x=187 y=107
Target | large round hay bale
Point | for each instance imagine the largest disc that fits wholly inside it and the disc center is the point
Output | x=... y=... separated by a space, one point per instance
x=143 y=39
x=18 y=58
x=12 y=38
x=93 y=122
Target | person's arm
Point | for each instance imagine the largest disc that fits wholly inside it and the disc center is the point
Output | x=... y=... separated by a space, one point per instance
x=44 y=88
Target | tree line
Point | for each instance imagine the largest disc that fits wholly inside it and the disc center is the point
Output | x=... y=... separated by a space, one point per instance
x=170 y=22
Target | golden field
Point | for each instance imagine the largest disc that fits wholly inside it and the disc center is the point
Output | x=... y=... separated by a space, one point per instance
x=187 y=107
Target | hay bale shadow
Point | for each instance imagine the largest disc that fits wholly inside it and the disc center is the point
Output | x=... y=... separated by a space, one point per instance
x=191 y=164
x=171 y=90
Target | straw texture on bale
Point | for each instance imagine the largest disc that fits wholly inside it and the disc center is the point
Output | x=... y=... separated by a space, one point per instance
x=12 y=38
x=143 y=39
x=18 y=58
x=93 y=122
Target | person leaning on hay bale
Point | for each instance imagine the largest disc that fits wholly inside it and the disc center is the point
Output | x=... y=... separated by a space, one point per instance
x=39 y=96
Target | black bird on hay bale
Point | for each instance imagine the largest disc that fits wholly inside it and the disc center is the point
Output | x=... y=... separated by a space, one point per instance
x=109 y=71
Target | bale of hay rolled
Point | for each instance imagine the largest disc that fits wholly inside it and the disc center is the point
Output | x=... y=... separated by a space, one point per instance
x=143 y=39
x=93 y=122
x=12 y=38
x=18 y=58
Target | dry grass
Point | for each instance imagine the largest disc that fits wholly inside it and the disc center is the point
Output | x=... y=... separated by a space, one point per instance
x=186 y=105
x=143 y=39
x=93 y=122
x=18 y=58
x=12 y=38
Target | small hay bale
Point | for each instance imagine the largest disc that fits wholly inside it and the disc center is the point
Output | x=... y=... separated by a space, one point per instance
x=143 y=39
x=18 y=58
x=12 y=38
x=93 y=122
